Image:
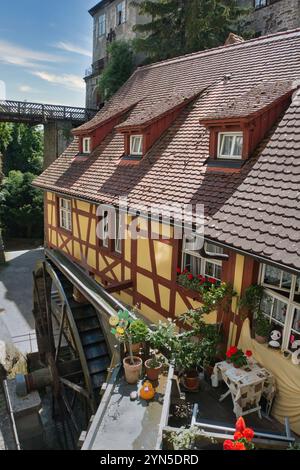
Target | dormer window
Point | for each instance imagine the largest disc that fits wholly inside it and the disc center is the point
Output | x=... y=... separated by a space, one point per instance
x=86 y=145
x=230 y=145
x=136 y=145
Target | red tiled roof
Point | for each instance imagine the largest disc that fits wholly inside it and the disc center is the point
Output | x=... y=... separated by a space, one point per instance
x=147 y=112
x=255 y=209
x=255 y=100
x=107 y=113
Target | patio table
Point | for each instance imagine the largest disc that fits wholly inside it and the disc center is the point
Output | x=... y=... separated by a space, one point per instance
x=246 y=385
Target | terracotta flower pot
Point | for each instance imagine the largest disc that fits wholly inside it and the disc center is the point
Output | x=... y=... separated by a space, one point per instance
x=132 y=371
x=136 y=347
x=261 y=339
x=191 y=380
x=152 y=373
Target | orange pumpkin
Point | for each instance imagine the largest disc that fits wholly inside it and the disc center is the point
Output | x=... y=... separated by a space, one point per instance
x=147 y=391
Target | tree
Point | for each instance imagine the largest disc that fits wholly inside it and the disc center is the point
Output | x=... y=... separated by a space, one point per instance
x=21 y=206
x=25 y=150
x=118 y=70
x=5 y=136
x=182 y=26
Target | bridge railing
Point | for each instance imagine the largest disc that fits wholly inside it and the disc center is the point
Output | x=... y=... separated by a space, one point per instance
x=44 y=112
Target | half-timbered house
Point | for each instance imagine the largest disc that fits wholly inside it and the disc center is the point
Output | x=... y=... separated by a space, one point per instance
x=220 y=128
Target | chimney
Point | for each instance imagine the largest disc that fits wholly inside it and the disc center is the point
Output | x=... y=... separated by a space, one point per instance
x=233 y=39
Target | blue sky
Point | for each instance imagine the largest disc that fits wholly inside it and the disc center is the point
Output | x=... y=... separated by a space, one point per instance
x=45 y=47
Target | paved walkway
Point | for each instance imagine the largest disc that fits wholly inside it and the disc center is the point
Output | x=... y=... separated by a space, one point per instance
x=16 y=317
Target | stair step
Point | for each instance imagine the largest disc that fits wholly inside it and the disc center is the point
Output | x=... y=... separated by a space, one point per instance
x=98 y=365
x=98 y=380
x=93 y=351
x=91 y=337
x=88 y=324
x=84 y=313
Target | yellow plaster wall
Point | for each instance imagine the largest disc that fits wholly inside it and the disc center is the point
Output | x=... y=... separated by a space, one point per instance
x=145 y=286
x=143 y=254
x=163 y=259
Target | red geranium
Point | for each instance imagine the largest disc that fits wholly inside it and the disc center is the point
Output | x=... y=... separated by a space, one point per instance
x=178 y=271
x=248 y=434
x=190 y=277
x=239 y=446
x=228 y=445
x=248 y=353
x=238 y=435
x=240 y=425
x=212 y=280
x=184 y=271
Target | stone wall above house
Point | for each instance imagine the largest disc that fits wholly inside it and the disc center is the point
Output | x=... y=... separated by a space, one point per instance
x=272 y=16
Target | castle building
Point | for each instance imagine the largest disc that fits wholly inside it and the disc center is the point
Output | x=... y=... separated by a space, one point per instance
x=112 y=20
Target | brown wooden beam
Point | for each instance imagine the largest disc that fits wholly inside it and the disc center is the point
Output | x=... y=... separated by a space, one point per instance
x=119 y=286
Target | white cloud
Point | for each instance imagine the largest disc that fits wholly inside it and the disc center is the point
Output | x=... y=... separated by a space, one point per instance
x=25 y=88
x=69 y=47
x=73 y=82
x=17 y=55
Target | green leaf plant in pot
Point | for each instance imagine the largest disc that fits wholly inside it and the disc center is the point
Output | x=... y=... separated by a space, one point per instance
x=120 y=324
x=187 y=357
x=138 y=333
x=153 y=367
x=262 y=328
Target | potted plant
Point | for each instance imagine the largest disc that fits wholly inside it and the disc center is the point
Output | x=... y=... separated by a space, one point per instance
x=121 y=330
x=153 y=367
x=262 y=328
x=138 y=332
x=236 y=357
x=163 y=337
x=187 y=357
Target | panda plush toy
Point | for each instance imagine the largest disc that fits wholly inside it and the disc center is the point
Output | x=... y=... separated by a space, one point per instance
x=275 y=339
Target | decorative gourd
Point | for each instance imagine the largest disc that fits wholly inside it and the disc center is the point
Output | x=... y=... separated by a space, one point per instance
x=147 y=391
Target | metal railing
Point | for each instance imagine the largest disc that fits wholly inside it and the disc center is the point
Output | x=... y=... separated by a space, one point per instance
x=39 y=112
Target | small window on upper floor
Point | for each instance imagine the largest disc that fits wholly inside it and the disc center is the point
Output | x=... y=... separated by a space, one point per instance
x=260 y=4
x=121 y=13
x=136 y=145
x=230 y=145
x=65 y=214
x=102 y=25
x=86 y=145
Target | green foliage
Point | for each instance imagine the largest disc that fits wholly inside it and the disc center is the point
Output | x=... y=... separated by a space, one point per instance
x=24 y=151
x=183 y=26
x=138 y=331
x=187 y=354
x=251 y=298
x=262 y=325
x=118 y=70
x=5 y=136
x=184 y=439
x=163 y=337
x=21 y=206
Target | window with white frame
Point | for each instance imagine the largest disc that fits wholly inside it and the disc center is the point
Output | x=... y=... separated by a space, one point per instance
x=197 y=265
x=86 y=145
x=136 y=145
x=105 y=229
x=281 y=302
x=260 y=4
x=102 y=25
x=121 y=13
x=230 y=145
x=65 y=214
x=118 y=236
